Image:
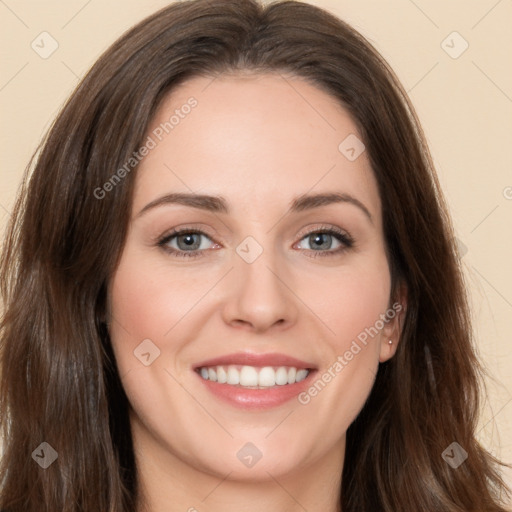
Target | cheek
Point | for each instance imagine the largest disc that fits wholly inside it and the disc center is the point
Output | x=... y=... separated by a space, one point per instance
x=144 y=305
x=352 y=307
x=147 y=298
x=334 y=306
x=351 y=302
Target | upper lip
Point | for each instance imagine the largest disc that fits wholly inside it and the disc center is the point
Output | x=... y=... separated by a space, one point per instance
x=252 y=359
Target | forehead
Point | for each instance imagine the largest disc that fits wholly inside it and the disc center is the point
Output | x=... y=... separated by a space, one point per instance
x=256 y=139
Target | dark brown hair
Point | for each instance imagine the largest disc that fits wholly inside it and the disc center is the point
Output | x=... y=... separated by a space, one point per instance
x=59 y=379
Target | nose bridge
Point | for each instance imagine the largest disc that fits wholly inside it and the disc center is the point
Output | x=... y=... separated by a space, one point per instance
x=258 y=293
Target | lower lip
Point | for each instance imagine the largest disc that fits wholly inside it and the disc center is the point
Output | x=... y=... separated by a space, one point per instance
x=265 y=398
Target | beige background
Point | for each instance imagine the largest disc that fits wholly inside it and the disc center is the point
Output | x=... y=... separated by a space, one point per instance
x=464 y=103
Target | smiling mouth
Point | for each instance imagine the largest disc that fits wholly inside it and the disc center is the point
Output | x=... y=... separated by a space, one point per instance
x=253 y=377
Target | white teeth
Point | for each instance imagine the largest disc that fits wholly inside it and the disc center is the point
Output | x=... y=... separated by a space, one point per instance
x=221 y=375
x=248 y=376
x=281 y=376
x=254 y=377
x=212 y=374
x=267 y=377
x=233 y=376
x=301 y=375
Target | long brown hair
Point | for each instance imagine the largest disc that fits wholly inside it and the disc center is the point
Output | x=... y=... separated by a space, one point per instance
x=59 y=379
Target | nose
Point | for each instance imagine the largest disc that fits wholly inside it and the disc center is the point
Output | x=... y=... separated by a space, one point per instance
x=259 y=297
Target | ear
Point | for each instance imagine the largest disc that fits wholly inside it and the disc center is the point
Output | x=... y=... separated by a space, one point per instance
x=393 y=325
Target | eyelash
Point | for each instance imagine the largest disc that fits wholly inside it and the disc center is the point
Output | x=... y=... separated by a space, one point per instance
x=341 y=236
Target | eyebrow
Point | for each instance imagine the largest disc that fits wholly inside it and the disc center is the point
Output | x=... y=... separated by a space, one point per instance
x=218 y=204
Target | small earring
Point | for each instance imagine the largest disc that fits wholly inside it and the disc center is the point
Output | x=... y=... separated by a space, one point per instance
x=390 y=342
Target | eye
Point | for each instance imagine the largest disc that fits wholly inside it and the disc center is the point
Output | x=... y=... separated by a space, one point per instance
x=184 y=243
x=187 y=242
x=321 y=240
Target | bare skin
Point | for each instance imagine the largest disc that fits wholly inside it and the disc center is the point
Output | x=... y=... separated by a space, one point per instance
x=259 y=141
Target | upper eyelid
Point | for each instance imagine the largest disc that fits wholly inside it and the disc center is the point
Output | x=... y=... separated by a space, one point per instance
x=325 y=227
x=302 y=234
x=187 y=229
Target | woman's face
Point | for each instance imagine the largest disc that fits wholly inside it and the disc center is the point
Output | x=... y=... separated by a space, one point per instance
x=281 y=274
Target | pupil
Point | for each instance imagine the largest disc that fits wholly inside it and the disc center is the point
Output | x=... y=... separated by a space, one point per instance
x=187 y=241
x=320 y=240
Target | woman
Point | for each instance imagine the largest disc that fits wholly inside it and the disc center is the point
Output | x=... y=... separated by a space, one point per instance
x=230 y=284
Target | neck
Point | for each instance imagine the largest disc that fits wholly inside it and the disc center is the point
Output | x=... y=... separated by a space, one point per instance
x=167 y=483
